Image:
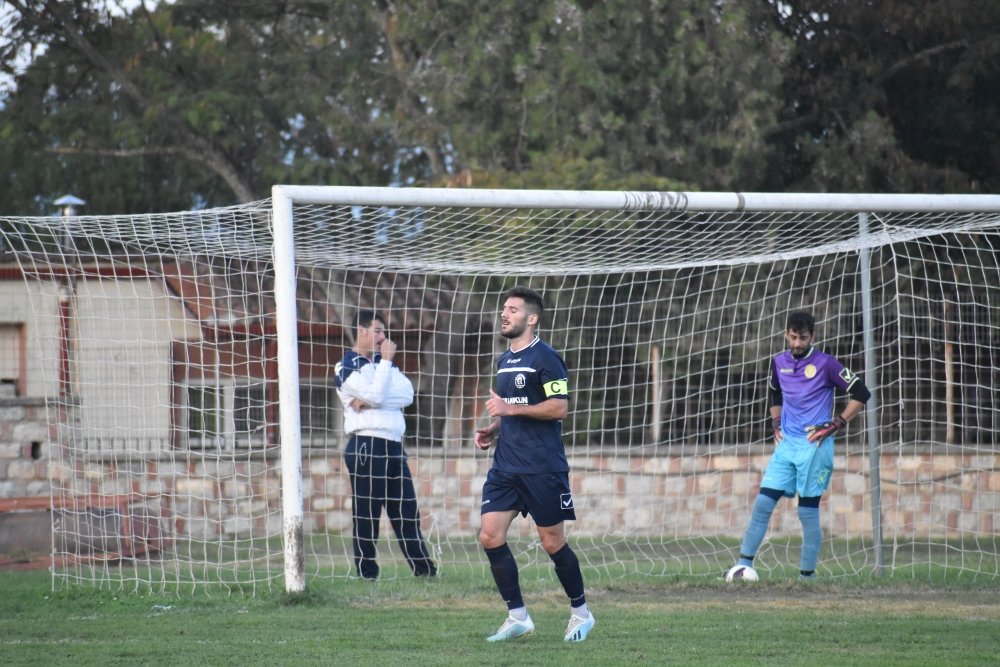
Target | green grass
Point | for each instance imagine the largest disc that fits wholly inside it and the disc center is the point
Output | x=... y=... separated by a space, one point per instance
x=405 y=621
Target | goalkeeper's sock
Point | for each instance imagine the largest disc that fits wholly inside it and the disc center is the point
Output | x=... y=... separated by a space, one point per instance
x=504 y=570
x=763 y=507
x=812 y=537
x=570 y=576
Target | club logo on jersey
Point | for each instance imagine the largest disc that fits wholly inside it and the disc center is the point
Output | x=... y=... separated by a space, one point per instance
x=519 y=381
x=810 y=371
x=556 y=388
x=566 y=501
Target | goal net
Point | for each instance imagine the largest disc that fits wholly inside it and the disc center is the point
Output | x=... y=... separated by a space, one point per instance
x=195 y=436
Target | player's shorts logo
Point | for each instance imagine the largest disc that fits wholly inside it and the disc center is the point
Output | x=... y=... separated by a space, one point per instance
x=519 y=381
x=810 y=371
x=566 y=501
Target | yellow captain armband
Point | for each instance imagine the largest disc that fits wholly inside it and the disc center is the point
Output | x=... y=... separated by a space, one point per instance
x=555 y=388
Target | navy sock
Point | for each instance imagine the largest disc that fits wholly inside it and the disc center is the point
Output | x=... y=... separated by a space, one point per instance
x=504 y=569
x=570 y=576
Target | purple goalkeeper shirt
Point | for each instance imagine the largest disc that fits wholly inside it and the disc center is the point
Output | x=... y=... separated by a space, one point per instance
x=807 y=387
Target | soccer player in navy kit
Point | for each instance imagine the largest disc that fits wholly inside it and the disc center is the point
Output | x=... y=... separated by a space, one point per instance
x=801 y=387
x=530 y=474
x=374 y=392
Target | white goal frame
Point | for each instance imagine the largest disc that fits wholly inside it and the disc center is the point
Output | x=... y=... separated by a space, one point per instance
x=285 y=197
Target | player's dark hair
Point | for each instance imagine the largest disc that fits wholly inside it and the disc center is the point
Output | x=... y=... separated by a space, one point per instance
x=365 y=317
x=532 y=299
x=800 y=321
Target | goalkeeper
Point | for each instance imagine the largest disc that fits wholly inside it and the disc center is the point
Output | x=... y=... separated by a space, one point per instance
x=802 y=385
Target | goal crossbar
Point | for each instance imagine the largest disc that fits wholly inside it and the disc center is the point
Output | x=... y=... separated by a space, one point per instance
x=636 y=201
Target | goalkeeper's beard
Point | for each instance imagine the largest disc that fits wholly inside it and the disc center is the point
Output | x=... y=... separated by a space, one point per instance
x=800 y=354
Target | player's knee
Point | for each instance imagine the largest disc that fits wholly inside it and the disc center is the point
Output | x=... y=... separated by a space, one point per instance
x=489 y=540
x=810 y=501
x=553 y=544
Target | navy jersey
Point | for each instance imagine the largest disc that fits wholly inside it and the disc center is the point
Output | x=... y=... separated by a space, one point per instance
x=527 y=377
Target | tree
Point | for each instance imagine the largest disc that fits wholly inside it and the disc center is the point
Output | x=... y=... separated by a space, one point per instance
x=206 y=103
x=195 y=103
x=890 y=97
x=680 y=91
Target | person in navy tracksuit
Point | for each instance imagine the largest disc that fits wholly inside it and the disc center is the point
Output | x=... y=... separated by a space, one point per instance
x=374 y=392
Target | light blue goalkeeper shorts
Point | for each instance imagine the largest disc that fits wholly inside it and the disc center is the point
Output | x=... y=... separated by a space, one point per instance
x=799 y=466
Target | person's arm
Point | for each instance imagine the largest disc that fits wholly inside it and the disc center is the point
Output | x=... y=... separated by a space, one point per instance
x=777 y=400
x=368 y=389
x=776 y=423
x=373 y=391
x=548 y=410
x=859 y=396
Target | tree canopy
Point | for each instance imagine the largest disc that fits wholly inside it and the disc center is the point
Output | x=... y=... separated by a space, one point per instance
x=165 y=106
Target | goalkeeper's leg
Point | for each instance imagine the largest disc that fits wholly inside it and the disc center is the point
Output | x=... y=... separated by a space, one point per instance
x=760 y=517
x=812 y=534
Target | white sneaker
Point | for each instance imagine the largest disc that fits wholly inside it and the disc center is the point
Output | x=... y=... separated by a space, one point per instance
x=579 y=628
x=513 y=628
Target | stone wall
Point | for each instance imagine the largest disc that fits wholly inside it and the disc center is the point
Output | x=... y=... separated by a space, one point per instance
x=24 y=442
x=203 y=496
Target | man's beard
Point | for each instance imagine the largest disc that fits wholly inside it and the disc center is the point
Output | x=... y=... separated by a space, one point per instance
x=514 y=332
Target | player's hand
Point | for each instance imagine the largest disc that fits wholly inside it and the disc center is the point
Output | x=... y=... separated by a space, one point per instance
x=387 y=349
x=820 y=431
x=358 y=405
x=776 y=429
x=496 y=405
x=485 y=437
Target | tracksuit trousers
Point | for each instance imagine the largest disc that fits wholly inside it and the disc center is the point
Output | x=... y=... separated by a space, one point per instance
x=380 y=477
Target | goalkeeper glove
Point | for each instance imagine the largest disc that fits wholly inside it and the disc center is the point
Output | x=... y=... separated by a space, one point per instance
x=776 y=429
x=821 y=431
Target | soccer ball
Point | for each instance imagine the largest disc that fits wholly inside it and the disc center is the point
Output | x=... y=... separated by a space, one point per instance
x=741 y=573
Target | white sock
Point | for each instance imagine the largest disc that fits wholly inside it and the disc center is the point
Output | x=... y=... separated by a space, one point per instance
x=582 y=611
x=520 y=613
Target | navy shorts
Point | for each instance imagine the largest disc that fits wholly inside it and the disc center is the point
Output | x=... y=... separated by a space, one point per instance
x=545 y=496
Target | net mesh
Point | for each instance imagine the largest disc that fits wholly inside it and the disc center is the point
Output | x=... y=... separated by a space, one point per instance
x=154 y=343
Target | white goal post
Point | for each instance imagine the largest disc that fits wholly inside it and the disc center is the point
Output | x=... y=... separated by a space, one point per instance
x=186 y=362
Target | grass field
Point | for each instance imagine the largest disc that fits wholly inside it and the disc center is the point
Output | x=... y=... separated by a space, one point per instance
x=405 y=621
